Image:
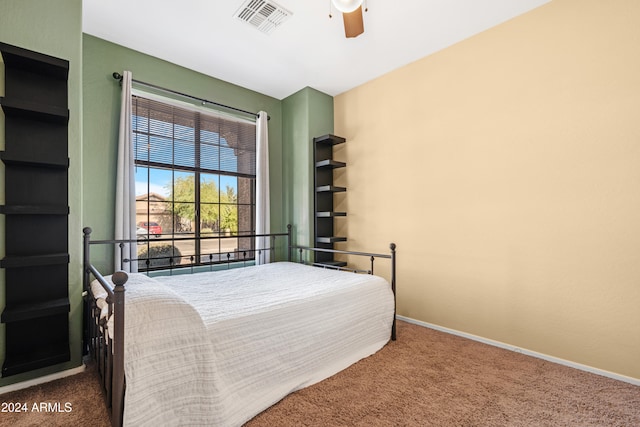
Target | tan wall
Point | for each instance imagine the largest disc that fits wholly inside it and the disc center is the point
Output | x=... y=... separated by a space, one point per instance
x=507 y=170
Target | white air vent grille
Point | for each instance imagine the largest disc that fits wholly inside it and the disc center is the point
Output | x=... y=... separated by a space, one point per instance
x=263 y=15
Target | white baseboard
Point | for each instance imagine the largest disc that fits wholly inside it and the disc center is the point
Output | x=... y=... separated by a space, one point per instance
x=613 y=375
x=41 y=380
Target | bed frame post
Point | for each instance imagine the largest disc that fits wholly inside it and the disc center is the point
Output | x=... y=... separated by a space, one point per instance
x=86 y=307
x=289 y=242
x=86 y=258
x=392 y=246
x=119 y=278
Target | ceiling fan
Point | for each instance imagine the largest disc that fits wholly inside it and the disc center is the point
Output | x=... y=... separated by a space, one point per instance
x=351 y=15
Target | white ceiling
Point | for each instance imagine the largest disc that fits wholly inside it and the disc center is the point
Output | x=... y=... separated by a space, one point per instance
x=308 y=49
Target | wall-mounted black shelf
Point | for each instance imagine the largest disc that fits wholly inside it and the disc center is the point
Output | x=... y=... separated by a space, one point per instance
x=30 y=62
x=34 y=110
x=330 y=189
x=325 y=165
x=330 y=239
x=36 y=210
x=34 y=160
x=34 y=260
x=329 y=139
x=39 y=357
x=330 y=214
x=329 y=163
x=36 y=310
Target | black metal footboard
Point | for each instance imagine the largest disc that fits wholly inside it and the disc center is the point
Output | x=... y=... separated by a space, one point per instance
x=103 y=342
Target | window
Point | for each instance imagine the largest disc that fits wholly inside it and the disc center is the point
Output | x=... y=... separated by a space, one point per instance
x=195 y=179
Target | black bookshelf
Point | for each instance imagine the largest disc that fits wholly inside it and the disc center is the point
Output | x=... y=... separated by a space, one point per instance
x=36 y=313
x=324 y=226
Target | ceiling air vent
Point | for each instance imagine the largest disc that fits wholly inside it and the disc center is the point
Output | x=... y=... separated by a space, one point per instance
x=263 y=15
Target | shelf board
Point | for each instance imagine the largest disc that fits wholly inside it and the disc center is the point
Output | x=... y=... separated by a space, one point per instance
x=330 y=189
x=44 y=356
x=17 y=57
x=34 y=260
x=329 y=139
x=330 y=239
x=328 y=214
x=330 y=164
x=34 y=210
x=35 y=310
x=33 y=110
x=12 y=159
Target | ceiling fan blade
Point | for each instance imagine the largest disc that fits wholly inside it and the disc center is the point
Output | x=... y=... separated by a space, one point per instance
x=353 y=23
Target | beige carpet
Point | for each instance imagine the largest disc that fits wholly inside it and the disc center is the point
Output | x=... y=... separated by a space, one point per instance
x=426 y=378
x=429 y=378
x=80 y=393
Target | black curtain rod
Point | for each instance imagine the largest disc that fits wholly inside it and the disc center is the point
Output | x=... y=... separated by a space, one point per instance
x=118 y=77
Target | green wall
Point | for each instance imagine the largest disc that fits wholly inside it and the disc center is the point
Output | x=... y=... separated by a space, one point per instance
x=293 y=124
x=306 y=114
x=53 y=28
x=101 y=95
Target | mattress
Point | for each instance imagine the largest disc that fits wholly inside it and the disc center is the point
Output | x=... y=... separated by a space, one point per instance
x=217 y=348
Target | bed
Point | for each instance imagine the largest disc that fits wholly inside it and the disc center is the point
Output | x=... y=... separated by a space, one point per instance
x=219 y=347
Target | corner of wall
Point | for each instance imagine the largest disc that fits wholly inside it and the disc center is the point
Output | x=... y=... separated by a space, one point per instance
x=306 y=114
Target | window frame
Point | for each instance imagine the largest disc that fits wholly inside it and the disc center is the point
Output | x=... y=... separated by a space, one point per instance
x=197 y=113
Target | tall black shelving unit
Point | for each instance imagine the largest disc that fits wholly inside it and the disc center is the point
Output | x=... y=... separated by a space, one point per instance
x=324 y=229
x=36 y=210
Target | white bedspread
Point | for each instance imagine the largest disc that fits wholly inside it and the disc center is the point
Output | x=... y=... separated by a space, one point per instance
x=217 y=348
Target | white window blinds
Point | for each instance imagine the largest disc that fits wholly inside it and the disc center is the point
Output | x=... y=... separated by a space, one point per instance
x=165 y=135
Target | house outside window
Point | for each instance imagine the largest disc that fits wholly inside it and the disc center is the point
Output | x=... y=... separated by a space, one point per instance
x=195 y=185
